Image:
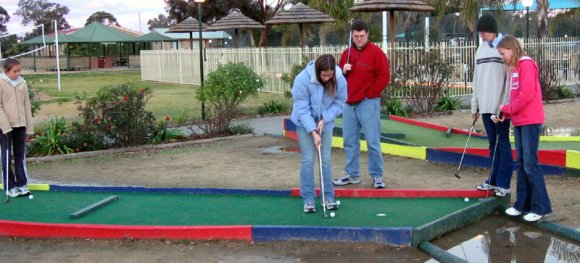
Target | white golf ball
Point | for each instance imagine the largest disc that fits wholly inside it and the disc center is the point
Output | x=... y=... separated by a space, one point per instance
x=466 y=199
x=332 y=214
x=338 y=202
x=30 y=196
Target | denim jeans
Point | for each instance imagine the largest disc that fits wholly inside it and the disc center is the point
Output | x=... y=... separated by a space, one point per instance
x=309 y=155
x=365 y=116
x=503 y=162
x=532 y=195
x=13 y=146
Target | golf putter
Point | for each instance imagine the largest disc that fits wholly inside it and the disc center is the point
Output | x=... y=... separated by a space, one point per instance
x=321 y=181
x=349 y=40
x=465 y=148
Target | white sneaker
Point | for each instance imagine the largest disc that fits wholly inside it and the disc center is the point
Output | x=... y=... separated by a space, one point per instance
x=14 y=192
x=501 y=192
x=532 y=217
x=484 y=187
x=378 y=182
x=23 y=190
x=512 y=212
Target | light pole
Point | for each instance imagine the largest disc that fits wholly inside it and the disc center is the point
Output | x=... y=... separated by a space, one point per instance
x=199 y=17
x=527 y=4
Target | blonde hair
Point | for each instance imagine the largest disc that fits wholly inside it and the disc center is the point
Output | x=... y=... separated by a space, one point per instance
x=513 y=44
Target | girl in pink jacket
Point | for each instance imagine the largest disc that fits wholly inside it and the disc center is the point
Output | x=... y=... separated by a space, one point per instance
x=526 y=111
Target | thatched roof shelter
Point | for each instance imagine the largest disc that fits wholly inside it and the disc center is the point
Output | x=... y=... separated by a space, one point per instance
x=235 y=20
x=391 y=6
x=300 y=14
x=189 y=25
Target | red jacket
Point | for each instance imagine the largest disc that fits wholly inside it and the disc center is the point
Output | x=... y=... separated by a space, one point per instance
x=525 y=106
x=370 y=73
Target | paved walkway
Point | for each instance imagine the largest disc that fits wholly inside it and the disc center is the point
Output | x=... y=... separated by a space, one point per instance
x=272 y=126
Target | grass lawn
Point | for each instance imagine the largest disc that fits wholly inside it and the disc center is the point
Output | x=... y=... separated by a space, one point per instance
x=177 y=101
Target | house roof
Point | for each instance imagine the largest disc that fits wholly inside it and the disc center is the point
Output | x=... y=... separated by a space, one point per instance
x=99 y=33
x=153 y=37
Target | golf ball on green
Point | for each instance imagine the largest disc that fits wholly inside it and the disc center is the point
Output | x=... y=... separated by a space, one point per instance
x=332 y=214
x=466 y=199
x=30 y=196
x=338 y=202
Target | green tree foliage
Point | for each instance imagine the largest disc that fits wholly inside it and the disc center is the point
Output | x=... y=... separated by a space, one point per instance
x=4 y=18
x=103 y=18
x=160 y=21
x=39 y=12
x=223 y=92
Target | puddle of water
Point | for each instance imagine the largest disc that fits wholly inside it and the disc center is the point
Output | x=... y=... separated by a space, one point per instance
x=279 y=149
x=498 y=239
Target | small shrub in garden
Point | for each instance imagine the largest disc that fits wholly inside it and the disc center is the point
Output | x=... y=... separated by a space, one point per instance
x=273 y=107
x=241 y=129
x=224 y=90
x=116 y=117
x=447 y=103
x=164 y=133
x=34 y=102
x=53 y=141
x=288 y=78
x=565 y=93
x=395 y=107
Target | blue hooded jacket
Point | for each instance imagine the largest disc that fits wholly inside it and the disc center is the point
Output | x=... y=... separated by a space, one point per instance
x=311 y=103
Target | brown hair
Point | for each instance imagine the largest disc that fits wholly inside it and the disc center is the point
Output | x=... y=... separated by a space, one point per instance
x=513 y=44
x=325 y=63
x=9 y=63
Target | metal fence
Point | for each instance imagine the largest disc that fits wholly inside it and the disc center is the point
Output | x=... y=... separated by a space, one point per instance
x=182 y=66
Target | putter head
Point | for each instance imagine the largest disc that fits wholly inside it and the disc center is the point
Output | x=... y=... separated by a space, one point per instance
x=457 y=176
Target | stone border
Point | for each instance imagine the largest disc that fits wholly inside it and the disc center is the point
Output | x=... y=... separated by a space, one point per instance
x=133 y=149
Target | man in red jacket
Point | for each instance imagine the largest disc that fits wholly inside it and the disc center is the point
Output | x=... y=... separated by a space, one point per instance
x=366 y=69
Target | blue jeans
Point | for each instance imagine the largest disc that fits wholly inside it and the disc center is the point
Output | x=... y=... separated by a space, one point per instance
x=532 y=195
x=309 y=155
x=366 y=116
x=503 y=164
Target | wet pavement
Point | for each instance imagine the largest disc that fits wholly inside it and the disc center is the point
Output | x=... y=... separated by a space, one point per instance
x=500 y=239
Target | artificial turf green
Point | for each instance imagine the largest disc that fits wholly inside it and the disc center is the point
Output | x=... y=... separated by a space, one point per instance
x=186 y=209
x=434 y=138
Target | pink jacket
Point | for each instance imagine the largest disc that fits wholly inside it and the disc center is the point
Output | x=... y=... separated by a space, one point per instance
x=525 y=106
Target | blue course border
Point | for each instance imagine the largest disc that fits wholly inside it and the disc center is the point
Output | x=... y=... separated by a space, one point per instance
x=384 y=235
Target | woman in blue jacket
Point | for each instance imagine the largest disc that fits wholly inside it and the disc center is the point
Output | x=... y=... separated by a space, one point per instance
x=319 y=94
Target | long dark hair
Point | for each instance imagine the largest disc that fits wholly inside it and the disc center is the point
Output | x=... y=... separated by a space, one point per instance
x=324 y=63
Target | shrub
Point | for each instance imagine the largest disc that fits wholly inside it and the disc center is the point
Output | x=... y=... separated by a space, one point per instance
x=34 y=102
x=394 y=107
x=223 y=92
x=288 y=78
x=241 y=129
x=273 y=107
x=447 y=103
x=565 y=93
x=163 y=133
x=423 y=80
x=116 y=117
x=548 y=74
x=53 y=141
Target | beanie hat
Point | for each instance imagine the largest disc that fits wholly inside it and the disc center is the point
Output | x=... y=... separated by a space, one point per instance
x=486 y=23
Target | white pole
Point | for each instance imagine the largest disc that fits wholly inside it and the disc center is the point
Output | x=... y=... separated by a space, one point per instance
x=426 y=33
x=57 y=54
x=385 y=43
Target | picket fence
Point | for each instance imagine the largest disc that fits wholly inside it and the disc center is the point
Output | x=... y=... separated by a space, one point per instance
x=182 y=66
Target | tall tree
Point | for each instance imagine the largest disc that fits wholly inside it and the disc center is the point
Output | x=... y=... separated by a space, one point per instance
x=103 y=18
x=39 y=12
x=4 y=18
x=542 y=11
x=266 y=12
x=160 y=21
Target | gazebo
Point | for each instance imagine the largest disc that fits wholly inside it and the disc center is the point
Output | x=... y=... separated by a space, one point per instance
x=300 y=14
x=235 y=20
x=152 y=37
x=392 y=6
x=189 y=25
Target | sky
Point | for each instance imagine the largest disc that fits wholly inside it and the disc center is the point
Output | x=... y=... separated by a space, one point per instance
x=126 y=12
